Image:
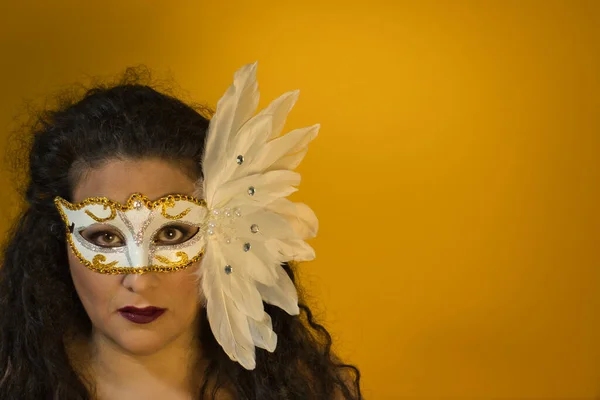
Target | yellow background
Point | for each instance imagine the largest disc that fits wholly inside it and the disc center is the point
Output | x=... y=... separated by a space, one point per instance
x=456 y=175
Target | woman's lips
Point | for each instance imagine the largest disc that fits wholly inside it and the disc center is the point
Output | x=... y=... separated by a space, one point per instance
x=141 y=315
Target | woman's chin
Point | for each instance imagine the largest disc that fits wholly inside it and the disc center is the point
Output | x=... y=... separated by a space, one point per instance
x=141 y=343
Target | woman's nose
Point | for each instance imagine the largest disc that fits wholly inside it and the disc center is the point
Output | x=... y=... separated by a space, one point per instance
x=139 y=283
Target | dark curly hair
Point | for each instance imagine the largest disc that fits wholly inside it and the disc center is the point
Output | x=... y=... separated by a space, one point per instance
x=39 y=306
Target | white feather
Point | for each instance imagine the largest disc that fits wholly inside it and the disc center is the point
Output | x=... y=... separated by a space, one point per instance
x=255 y=130
x=228 y=324
x=292 y=250
x=279 y=109
x=233 y=110
x=300 y=217
x=283 y=294
x=262 y=333
x=290 y=161
x=267 y=224
x=255 y=140
x=265 y=188
x=256 y=186
x=241 y=289
x=259 y=263
x=283 y=147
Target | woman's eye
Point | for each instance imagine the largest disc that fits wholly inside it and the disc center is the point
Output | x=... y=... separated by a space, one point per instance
x=174 y=234
x=104 y=238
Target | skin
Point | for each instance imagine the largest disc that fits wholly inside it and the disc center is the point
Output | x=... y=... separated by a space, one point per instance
x=125 y=360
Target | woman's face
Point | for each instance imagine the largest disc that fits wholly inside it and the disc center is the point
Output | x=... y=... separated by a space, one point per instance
x=104 y=295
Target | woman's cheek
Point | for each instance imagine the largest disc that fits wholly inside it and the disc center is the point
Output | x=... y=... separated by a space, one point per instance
x=188 y=284
x=94 y=289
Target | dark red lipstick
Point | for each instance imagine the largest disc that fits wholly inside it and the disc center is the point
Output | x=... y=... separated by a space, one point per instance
x=141 y=315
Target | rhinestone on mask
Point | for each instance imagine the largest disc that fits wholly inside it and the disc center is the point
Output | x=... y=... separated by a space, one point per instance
x=254 y=228
x=247 y=247
x=251 y=190
x=228 y=269
x=137 y=204
x=240 y=159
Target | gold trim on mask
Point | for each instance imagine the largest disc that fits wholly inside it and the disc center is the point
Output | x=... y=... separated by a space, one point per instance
x=113 y=214
x=181 y=254
x=97 y=264
x=171 y=203
x=131 y=203
x=99 y=259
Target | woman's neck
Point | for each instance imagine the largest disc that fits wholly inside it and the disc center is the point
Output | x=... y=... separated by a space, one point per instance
x=169 y=373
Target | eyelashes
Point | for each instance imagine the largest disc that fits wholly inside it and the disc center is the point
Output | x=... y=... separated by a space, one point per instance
x=174 y=234
x=107 y=236
x=103 y=237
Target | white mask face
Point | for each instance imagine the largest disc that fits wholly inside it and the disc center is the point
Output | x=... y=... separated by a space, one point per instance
x=138 y=236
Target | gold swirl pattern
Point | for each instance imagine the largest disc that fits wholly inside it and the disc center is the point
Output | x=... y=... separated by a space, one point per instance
x=170 y=202
x=113 y=214
x=181 y=254
x=98 y=262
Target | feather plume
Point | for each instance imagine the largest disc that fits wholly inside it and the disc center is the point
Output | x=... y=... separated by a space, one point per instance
x=228 y=324
x=252 y=228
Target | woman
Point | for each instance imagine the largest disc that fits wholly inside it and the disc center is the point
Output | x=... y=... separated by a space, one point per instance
x=154 y=259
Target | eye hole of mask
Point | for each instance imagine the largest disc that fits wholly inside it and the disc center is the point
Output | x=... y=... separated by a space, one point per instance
x=103 y=236
x=174 y=234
